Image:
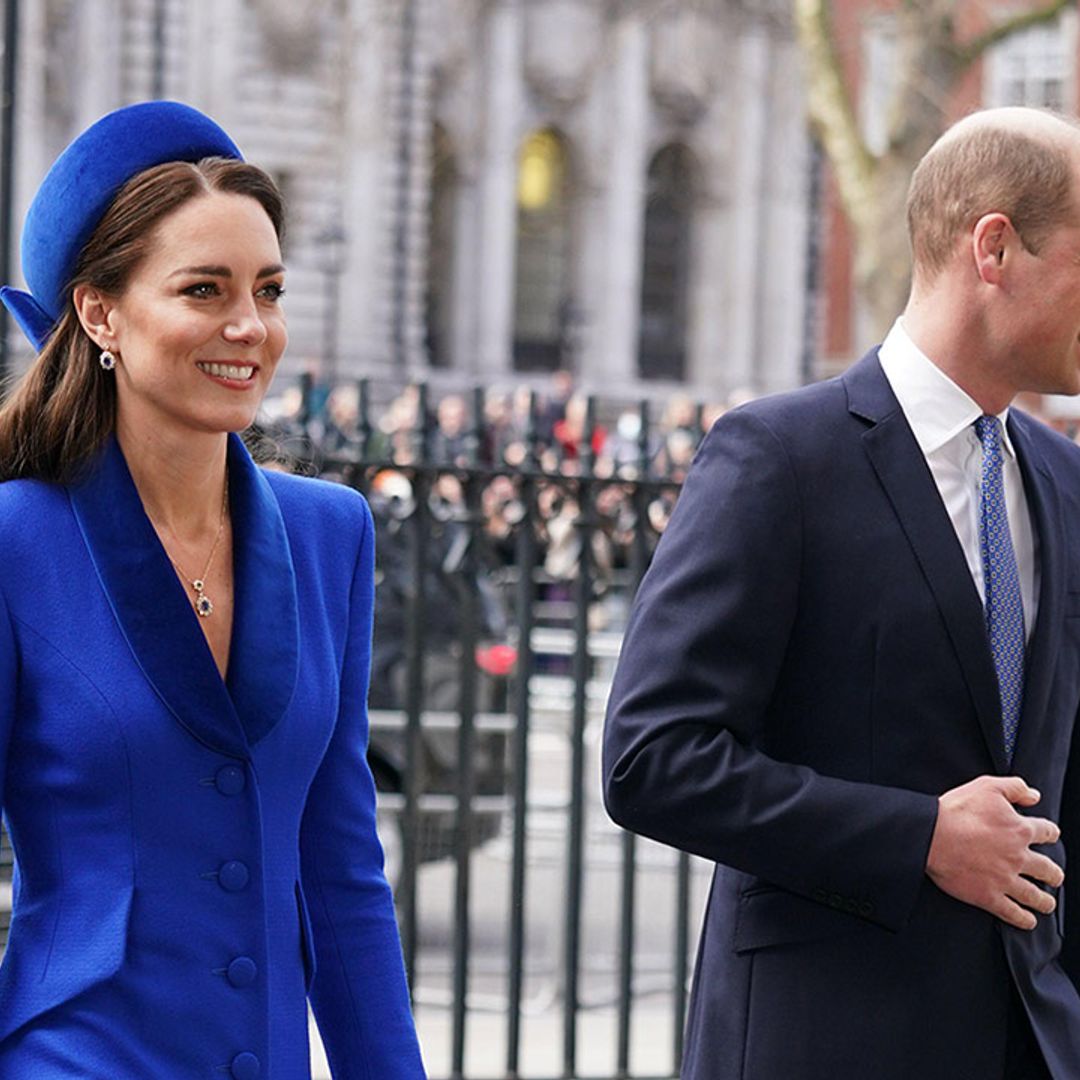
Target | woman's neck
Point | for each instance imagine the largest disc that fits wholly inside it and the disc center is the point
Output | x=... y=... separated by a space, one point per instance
x=181 y=482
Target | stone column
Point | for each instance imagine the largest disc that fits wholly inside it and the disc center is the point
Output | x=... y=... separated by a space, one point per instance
x=468 y=215
x=494 y=292
x=213 y=57
x=413 y=211
x=369 y=154
x=782 y=289
x=99 y=82
x=619 y=304
x=750 y=83
x=711 y=275
x=33 y=154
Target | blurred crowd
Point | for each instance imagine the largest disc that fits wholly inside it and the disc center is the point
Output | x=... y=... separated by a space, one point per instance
x=598 y=474
x=550 y=427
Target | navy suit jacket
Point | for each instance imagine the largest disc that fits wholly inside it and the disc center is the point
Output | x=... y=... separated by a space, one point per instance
x=806 y=669
x=194 y=856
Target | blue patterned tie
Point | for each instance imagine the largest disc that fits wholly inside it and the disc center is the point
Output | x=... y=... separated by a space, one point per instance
x=1004 y=604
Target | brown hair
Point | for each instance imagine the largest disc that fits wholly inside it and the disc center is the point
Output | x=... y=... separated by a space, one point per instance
x=989 y=169
x=63 y=409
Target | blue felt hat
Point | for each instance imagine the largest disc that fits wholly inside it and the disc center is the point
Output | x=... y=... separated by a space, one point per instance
x=82 y=184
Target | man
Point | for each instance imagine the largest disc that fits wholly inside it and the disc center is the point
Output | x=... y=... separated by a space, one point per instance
x=852 y=671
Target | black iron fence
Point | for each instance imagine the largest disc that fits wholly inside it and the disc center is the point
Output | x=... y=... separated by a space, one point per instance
x=506 y=563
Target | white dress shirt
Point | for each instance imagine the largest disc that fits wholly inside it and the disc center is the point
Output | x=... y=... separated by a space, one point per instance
x=941 y=416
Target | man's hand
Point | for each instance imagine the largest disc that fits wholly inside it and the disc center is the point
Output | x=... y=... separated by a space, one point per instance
x=980 y=852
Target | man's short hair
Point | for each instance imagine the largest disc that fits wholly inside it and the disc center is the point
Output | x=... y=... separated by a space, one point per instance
x=987 y=170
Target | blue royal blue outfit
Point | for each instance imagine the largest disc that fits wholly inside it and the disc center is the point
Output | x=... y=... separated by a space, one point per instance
x=196 y=857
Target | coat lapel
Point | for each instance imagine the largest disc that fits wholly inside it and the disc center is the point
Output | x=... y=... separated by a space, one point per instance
x=1042 y=499
x=906 y=478
x=158 y=621
x=264 y=661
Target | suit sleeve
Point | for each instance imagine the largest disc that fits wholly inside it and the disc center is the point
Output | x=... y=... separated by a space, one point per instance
x=702 y=657
x=359 y=995
x=1069 y=894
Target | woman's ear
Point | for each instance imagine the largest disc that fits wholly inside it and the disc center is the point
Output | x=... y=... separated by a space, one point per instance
x=95 y=311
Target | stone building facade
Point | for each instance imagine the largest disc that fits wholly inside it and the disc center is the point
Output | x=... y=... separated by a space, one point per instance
x=485 y=190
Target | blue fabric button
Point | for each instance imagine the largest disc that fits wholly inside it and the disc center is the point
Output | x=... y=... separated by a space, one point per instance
x=245 y=1066
x=242 y=971
x=230 y=780
x=233 y=876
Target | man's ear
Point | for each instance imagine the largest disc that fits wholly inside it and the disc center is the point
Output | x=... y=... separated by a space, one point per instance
x=993 y=245
x=96 y=312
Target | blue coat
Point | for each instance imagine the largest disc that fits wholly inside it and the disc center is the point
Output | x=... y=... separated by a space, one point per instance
x=195 y=857
x=806 y=669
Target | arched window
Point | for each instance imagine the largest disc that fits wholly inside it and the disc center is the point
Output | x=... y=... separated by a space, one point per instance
x=542 y=301
x=440 y=259
x=665 y=275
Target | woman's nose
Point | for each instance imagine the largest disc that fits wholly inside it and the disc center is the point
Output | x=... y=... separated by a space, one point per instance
x=245 y=325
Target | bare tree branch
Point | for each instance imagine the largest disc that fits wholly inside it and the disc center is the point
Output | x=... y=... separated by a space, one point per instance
x=972 y=50
x=831 y=110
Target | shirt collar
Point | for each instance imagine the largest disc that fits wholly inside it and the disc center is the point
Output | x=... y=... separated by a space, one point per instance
x=936 y=409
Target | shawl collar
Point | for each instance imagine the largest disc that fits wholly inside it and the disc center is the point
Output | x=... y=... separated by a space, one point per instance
x=159 y=623
x=909 y=484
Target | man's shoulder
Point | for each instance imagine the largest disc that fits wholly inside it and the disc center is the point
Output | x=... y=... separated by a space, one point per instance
x=1061 y=454
x=794 y=418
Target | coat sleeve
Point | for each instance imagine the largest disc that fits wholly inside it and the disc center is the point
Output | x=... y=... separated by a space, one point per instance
x=9 y=671
x=703 y=655
x=358 y=994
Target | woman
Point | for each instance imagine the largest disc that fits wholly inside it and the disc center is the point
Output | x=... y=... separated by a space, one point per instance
x=184 y=647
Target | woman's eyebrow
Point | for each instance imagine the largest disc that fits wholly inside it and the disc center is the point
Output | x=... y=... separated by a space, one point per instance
x=224 y=271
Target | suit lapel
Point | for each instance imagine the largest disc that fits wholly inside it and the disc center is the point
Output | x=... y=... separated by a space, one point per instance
x=1045 y=640
x=909 y=484
x=158 y=621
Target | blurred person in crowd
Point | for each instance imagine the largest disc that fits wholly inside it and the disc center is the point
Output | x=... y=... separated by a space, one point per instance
x=711 y=411
x=342 y=425
x=680 y=414
x=450 y=440
x=498 y=422
x=553 y=404
x=184 y=649
x=513 y=448
x=503 y=512
x=399 y=426
x=677 y=454
x=621 y=451
x=852 y=672
x=569 y=435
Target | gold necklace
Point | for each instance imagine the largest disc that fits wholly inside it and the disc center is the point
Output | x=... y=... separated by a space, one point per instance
x=204 y=606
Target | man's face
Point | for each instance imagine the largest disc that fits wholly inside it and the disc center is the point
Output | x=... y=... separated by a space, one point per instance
x=1043 y=315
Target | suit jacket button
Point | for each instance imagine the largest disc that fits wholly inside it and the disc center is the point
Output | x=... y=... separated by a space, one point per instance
x=820 y=895
x=245 y=1066
x=233 y=876
x=241 y=972
x=866 y=908
x=836 y=901
x=230 y=780
x=851 y=906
